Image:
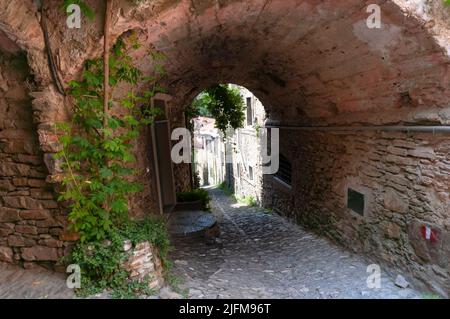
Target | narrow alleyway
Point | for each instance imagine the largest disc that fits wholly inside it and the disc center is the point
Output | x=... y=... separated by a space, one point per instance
x=262 y=255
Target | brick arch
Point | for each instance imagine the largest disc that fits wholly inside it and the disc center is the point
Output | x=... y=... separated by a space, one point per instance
x=318 y=60
x=335 y=69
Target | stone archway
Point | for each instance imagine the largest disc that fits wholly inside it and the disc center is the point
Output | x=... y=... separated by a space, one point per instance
x=312 y=63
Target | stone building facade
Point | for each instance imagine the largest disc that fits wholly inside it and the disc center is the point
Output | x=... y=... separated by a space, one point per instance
x=236 y=158
x=244 y=170
x=209 y=150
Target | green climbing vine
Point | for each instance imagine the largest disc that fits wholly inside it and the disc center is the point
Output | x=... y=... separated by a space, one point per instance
x=97 y=171
x=96 y=159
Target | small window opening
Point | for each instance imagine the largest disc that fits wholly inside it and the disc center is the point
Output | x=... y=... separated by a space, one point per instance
x=355 y=201
x=249 y=111
x=285 y=170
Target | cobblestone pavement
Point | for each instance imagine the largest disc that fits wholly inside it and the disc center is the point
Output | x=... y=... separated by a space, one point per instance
x=263 y=255
x=35 y=283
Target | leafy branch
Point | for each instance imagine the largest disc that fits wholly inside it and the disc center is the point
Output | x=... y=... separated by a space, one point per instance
x=221 y=102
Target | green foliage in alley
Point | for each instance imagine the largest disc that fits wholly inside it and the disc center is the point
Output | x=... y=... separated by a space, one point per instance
x=96 y=159
x=196 y=195
x=100 y=262
x=246 y=200
x=224 y=188
x=221 y=102
x=200 y=105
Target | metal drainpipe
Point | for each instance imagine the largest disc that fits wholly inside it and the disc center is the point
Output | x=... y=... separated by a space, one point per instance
x=398 y=128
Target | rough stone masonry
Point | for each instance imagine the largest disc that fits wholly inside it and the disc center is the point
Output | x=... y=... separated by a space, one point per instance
x=310 y=62
x=30 y=219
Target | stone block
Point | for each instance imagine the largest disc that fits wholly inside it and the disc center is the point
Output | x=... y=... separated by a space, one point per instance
x=392 y=230
x=397 y=151
x=19 y=241
x=20 y=181
x=40 y=253
x=14 y=169
x=49 y=222
x=445 y=114
x=41 y=194
x=9 y=214
x=394 y=202
x=29 y=159
x=6 y=185
x=404 y=144
x=49 y=204
x=35 y=214
x=37 y=183
x=23 y=202
x=5 y=232
x=400 y=160
x=26 y=229
x=6 y=254
x=16 y=241
x=20 y=146
x=423 y=152
x=51 y=242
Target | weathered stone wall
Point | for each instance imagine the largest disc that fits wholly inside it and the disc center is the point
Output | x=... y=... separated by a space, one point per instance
x=246 y=145
x=245 y=154
x=405 y=179
x=30 y=220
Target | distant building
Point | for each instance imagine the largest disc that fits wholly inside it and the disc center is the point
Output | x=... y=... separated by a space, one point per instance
x=209 y=152
x=235 y=160
x=244 y=173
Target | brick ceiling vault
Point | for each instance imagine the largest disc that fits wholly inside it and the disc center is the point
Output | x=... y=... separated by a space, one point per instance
x=309 y=61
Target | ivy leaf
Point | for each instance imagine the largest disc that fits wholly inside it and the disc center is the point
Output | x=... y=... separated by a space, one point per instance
x=119 y=206
x=106 y=172
x=114 y=122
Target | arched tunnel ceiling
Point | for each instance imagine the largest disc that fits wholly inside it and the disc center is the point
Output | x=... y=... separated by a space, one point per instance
x=306 y=60
x=309 y=61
